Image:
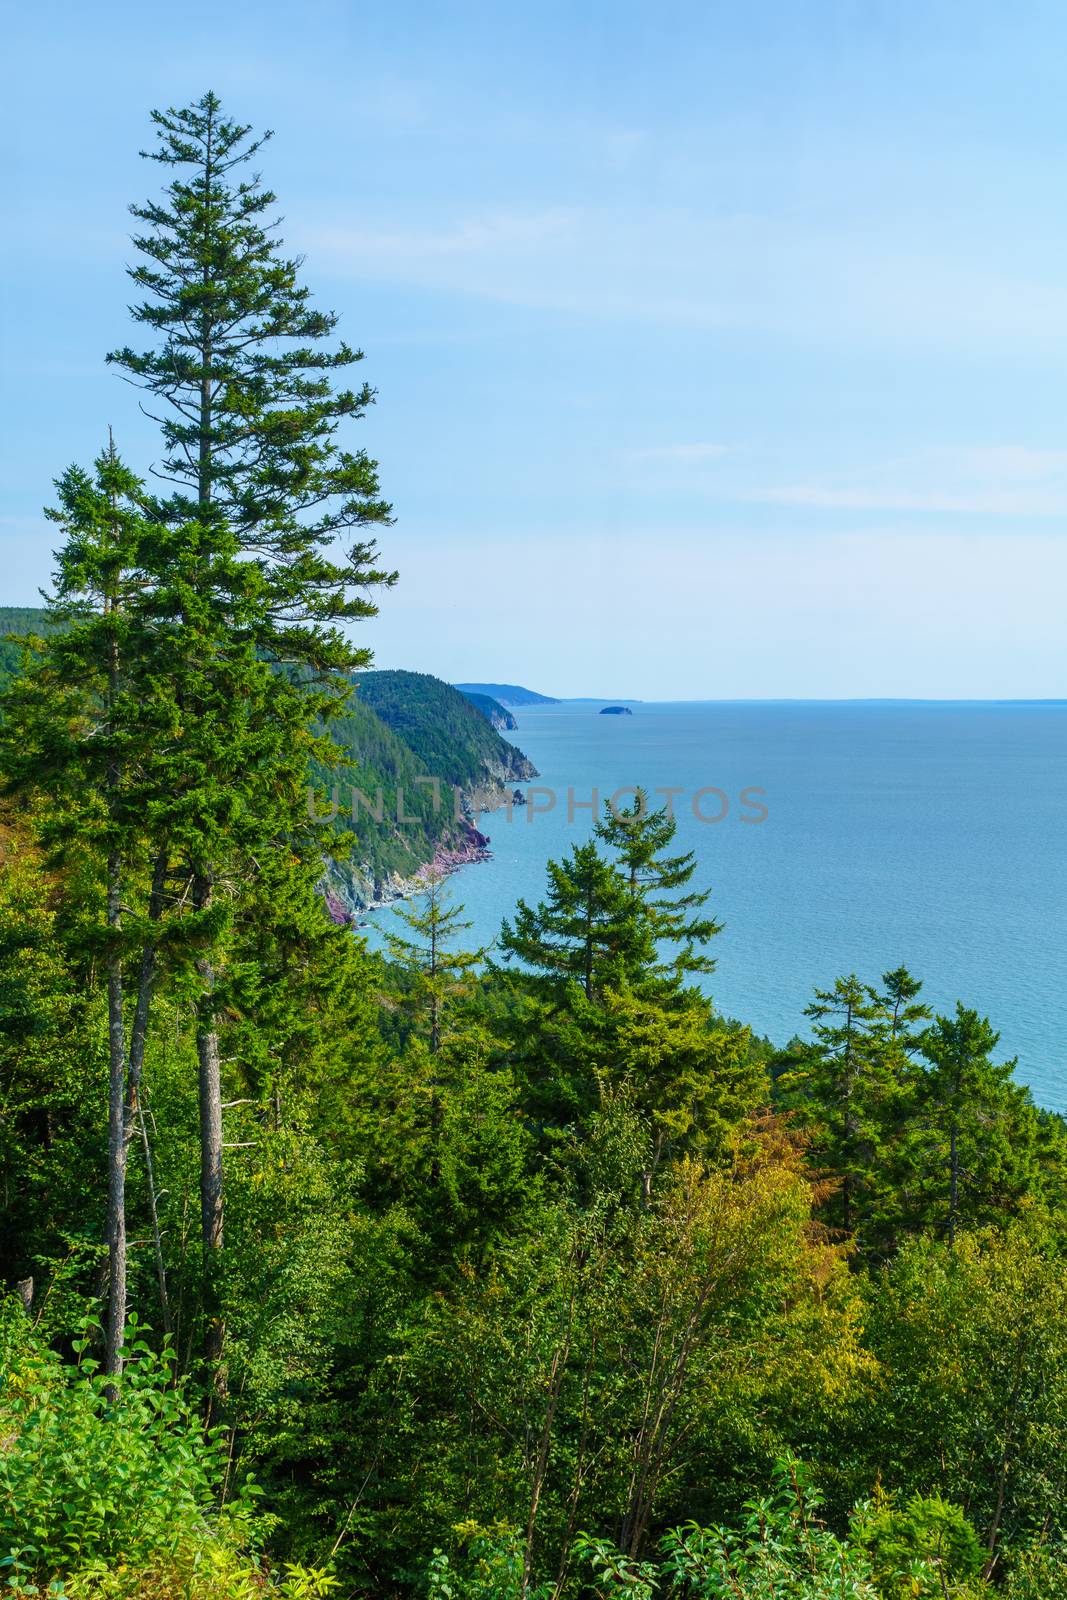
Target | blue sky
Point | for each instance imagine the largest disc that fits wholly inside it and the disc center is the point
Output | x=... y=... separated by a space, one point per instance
x=721 y=349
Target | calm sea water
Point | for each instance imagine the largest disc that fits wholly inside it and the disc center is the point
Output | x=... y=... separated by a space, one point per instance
x=932 y=835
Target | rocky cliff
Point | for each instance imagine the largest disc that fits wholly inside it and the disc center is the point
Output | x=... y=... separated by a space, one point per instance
x=423 y=762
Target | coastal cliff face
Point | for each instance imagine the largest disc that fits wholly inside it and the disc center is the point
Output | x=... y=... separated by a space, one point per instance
x=497 y=715
x=514 y=768
x=352 y=890
x=411 y=743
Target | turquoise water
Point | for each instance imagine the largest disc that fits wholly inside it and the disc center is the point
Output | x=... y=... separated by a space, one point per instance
x=926 y=834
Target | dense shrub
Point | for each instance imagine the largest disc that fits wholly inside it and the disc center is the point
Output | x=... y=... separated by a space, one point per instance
x=117 y=1492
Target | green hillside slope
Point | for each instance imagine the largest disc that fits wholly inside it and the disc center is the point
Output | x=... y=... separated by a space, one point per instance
x=498 y=716
x=19 y=620
x=439 y=724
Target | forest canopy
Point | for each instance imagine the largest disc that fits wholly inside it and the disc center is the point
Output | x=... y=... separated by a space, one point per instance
x=438 y=1271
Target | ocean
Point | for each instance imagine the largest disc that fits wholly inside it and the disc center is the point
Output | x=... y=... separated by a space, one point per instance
x=836 y=837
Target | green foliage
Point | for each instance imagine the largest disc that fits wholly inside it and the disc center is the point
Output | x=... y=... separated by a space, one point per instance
x=584 y=932
x=508 y=1253
x=780 y=1550
x=658 y=883
x=927 y=1533
x=438 y=974
x=53 y=1074
x=17 y=625
x=242 y=369
x=911 y=1121
x=447 y=735
x=85 y=1482
x=971 y=1344
x=492 y=1568
x=1038 y=1573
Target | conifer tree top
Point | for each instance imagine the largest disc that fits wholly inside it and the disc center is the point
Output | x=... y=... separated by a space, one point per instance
x=241 y=375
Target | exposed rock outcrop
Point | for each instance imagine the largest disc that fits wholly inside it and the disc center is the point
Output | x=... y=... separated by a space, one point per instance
x=352 y=890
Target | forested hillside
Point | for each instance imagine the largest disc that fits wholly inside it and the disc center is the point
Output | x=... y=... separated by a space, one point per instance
x=447 y=733
x=508 y=694
x=500 y=717
x=424 y=1273
x=17 y=622
x=397 y=731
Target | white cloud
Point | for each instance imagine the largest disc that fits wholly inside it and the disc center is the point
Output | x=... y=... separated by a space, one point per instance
x=992 y=480
x=775 y=272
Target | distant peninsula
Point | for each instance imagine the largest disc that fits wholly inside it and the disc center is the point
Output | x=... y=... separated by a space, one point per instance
x=500 y=717
x=616 y=711
x=508 y=694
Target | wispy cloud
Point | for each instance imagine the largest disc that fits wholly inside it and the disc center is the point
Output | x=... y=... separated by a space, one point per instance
x=774 y=272
x=988 y=481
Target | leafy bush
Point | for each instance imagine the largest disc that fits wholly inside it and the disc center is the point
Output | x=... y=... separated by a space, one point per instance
x=116 y=1494
x=1037 y=1574
x=492 y=1570
x=782 y=1550
x=920 y=1548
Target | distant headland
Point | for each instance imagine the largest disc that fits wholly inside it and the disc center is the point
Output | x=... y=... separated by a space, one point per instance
x=508 y=694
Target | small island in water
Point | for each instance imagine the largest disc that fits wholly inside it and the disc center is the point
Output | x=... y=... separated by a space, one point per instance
x=616 y=711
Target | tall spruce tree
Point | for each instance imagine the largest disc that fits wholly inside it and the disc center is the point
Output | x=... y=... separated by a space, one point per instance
x=837 y=1085
x=246 y=376
x=585 y=931
x=242 y=376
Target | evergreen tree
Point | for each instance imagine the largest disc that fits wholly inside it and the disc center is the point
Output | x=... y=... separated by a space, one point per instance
x=585 y=931
x=436 y=976
x=839 y=1085
x=903 y=1014
x=604 y=1013
x=262 y=490
x=974 y=1147
x=250 y=429
x=82 y=726
x=639 y=838
x=436 y=973
x=667 y=1055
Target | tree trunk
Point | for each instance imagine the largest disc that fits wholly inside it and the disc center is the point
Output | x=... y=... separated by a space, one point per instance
x=210 y=1099
x=116 y=1140
x=117 y=1143
x=133 y=1115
